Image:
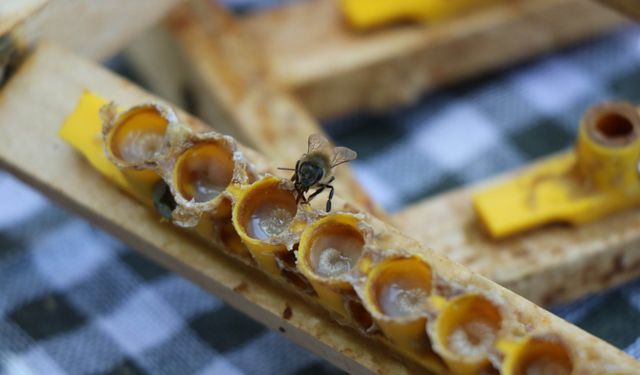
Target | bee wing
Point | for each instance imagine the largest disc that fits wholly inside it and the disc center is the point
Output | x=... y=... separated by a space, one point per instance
x=342 y=155
x=318 y=142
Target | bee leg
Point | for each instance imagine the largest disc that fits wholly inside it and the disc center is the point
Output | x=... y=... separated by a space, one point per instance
x=320 y=189
x=304 y=199
x=330 y=197
x=300 y=198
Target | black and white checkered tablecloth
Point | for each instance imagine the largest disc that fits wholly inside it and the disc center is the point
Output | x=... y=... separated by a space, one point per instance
x=73 y=300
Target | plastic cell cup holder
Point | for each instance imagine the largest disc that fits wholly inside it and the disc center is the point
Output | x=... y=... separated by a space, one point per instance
x=397 y=293
x=261 y=212
x=537 y=355
x=203 y=172
x=133 y=140
x=329 y=249
x=465 y=331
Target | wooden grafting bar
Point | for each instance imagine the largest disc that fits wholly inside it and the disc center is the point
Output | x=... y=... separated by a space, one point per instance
x=31 y=149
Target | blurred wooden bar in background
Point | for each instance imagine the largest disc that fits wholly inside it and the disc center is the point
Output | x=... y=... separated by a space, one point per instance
x=334 y=70
x=92 y=28
x=310 y=51
x=630 y=8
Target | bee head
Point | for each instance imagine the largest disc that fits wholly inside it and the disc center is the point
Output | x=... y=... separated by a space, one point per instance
x=309 y=173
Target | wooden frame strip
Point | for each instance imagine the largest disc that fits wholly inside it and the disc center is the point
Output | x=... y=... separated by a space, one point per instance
x=312 y=52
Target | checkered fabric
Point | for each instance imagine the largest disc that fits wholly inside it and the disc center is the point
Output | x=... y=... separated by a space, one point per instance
x=74 y=300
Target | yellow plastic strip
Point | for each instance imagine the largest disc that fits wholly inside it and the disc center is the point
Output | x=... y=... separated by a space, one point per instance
x=83 y=130
x=602 y=177
x=367 y=14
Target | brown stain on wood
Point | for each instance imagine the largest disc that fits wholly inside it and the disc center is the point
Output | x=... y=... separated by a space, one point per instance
x=287 y=313
x=241 y=288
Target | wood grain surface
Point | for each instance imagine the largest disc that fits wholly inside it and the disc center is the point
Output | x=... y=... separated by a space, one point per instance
x=334 y=70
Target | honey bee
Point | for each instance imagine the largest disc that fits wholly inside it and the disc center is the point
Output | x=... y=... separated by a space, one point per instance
x=314 y=170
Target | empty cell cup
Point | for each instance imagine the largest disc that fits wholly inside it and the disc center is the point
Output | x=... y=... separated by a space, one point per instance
x=203 y=172
x=133 y=141
x=137 y=135
x=538 y=355
x=608 y=146
x=329 y=249
x=262 y=211
x=397 y=293
x=465 y=331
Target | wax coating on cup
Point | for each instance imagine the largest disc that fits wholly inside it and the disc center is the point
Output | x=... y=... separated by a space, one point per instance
x=268 y=220
x=613 y=124
x=402 y=287
x=472 y=339
x=134 y=140
x=539 y=356
x=202 y=172
x=262 y=212
x=265 y=210
x=608 y=147
x=468 y=325
x=329 y=249
x=336 y=250
x=465 y=331
x=138 y=135
x=139 y=145
x=396 y=292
